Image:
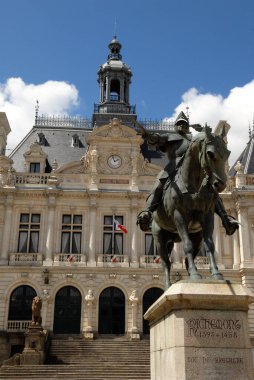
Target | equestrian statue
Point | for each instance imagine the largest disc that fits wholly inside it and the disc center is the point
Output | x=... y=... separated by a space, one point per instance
x=185 y=195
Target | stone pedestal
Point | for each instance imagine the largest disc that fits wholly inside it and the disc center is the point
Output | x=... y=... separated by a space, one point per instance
x=34 y=351
x=199 y=330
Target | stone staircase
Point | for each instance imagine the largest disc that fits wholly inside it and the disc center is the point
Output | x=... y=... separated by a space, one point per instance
x=77 y=359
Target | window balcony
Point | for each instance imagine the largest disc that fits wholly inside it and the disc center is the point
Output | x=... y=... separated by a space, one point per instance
x=25 y=259
x=15 y=326
x=70 y=259
x=31 y=178
x=150 y=261
x=113 y=261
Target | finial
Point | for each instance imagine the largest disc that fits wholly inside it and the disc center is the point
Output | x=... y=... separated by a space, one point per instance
x=36 y=111
x=188 y=112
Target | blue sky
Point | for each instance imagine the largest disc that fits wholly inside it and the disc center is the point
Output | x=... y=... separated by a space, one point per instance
x=195 y=52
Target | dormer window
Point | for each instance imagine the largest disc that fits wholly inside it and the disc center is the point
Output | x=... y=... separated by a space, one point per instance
x=34 y=167
x=75 y=141
x=42 y=139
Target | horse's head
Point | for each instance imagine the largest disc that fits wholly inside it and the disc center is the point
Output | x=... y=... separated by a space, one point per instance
x=214 y=157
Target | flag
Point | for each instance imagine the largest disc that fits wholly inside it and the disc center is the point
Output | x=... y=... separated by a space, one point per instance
x=157 y=260
x=70 y=258
x=114 y=259
x=118 y=226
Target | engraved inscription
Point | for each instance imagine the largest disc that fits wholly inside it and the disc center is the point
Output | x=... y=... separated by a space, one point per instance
x=213 y=328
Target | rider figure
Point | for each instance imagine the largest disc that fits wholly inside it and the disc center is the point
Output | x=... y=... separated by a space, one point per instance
x=176 y=145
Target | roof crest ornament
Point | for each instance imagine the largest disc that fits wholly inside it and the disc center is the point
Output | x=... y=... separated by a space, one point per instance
x=36 y=111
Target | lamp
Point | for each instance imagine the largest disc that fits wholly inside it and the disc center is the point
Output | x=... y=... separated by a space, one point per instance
x=46 y=276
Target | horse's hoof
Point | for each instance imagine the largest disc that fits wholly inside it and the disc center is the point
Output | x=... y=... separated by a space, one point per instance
x=217 y=276
x=195 y=276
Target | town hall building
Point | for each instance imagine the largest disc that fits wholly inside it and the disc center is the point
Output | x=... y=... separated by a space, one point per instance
x=70 y=193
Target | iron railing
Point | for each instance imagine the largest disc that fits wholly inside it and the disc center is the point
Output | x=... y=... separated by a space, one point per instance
x=63 y=121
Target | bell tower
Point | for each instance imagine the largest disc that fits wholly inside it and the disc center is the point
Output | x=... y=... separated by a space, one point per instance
x=114 y=78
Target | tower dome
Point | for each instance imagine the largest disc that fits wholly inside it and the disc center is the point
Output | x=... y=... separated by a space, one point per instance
x=114 y=78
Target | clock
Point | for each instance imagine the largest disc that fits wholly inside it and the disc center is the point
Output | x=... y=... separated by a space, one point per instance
x=114 y=161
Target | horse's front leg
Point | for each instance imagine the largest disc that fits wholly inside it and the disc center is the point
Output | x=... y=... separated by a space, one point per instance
x=163 y=248
x=187 y=245
x=209 y=246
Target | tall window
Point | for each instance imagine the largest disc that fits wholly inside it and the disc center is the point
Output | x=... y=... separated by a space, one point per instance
x=112 y=237
x=71 y=234
x=29 y=229
x=149 y=244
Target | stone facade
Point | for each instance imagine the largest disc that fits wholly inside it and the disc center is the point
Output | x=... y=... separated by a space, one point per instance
x=58 y=201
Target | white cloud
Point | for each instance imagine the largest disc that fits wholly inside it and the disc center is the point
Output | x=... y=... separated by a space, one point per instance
x=18 y=100
x=237 y=109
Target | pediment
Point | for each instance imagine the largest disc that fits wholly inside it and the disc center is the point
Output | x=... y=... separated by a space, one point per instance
x=35 y=151
x=114 y=130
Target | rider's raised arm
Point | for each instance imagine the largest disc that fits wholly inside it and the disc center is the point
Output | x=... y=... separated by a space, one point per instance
x=152 y=138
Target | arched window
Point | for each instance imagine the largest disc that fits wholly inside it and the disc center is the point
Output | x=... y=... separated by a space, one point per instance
x=20 y=306
x=114 y=90
x=150 y=296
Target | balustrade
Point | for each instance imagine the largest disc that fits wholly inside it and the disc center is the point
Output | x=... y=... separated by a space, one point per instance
x=25 y=259
x=150 y=261
x=76 y=259
x=18 y=325
x=113 y=260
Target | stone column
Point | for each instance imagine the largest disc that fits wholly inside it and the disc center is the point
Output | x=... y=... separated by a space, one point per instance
x=134 y=174
x=244 y=235
x=50 y=229
x=101 y=92
x=217 y=242
x=7 y=230
x=236 y=251
x=44 y=312
x=92 y=232
x=94 y=173
x=134 y=332
x=89 y=302
x=134 y=249
x=177 y=255
x=107 y=89
x=121 y=89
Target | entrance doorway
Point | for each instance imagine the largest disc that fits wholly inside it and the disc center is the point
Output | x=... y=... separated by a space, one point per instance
x=67 y=311
x=150 y=296
x=112 y=311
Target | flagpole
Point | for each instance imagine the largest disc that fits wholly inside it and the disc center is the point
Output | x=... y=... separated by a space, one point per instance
x=113 y=236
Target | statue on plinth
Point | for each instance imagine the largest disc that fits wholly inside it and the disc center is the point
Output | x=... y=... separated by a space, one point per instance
x=185 y=196
x=36 y=311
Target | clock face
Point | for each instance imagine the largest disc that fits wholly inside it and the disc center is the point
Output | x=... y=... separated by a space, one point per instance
x=114 y=161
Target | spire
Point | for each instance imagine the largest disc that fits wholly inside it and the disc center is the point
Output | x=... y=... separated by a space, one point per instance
x=36 y=111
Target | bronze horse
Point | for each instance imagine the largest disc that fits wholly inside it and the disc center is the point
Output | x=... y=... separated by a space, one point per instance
x=186 y=212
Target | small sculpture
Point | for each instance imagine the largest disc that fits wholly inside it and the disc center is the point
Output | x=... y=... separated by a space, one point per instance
x=36 y=311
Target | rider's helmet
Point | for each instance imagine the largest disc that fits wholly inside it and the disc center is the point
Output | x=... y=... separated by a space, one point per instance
x=182 y=123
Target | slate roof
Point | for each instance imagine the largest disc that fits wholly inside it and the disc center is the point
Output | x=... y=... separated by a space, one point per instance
x=246 y=158
x=58 y=146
